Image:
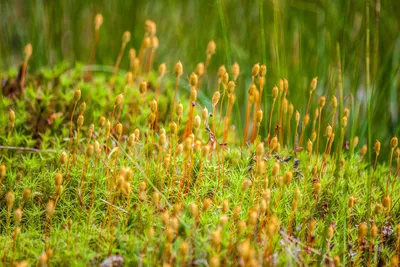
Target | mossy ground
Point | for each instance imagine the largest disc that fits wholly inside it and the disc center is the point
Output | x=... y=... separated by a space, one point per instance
x=140 y=231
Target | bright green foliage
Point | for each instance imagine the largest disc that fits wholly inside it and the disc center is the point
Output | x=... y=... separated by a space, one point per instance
x=128 y=220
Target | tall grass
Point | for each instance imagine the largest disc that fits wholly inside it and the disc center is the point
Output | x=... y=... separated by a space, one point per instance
x=299 y=36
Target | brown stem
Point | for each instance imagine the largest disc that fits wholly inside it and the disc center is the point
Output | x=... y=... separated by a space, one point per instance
x=246 y=127
x=121 y=52
x=93 y=53
x=205 y=70
x=270 y=117
x=174 y=99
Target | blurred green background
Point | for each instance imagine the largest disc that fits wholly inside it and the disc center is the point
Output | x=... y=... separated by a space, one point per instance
x=296 y=39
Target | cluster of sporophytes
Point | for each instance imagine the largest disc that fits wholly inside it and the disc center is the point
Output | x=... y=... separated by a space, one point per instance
x=145 y=173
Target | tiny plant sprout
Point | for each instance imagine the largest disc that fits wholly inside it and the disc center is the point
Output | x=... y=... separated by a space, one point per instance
x=193 y=80
x=260 y=167
x=288 y=177
x=126 y=37
x=316 y=114
x=225 y=206
x=102 y=121
x=28 y=52
x=275 y=169
x=297 y=117
x=150 y=27
x=197 y=122
x=153 y=106
x=152 y=118
x=334 y=102
x=313 y=84
x=11 y=117
x=374 y=230
x=119 y=129
x=394 y=142
x=206 y=204
x=80 y=121
x=330 y=232
x=211 y=47
x=309 y=147
x=162 y=139
x=58 y=179
x=344 y=122
x=273 y=144
x=173 y=128
x=346 y=112
x=317 y=188
x=235 y=71
x=214 y=261
x=313 y=136
x=246 y=184
x=216 y=239
x=10 y=198
x=386 y=202
x=260 y=150
x=118 y=100
x=394 y=261
x=206 y=151
x=43 y=259
x=280 y=181
x=178 y=69
x=161 y=69
x=194 y=210
x=281 y=85
x=179 y=149
x=255 y=70
x=3 y=172
x=225 y=79
x=263 y=70
x=221 y=73
x=236 y=212
x=77 y=95
x=377 y=147
x=306 y=119
x=82 y=108
x=215 y=98
x=98 y=21
x=259 y=116
x=193 y=95
x=179 y=110
x=286 y=85
x=91 y=131
x=18 y=216
x=231 y=87
x=143 y=87
x=204 y=115
x=200 y=69
x=355 y=142
x=322 y=102
x=362 y=231
x=137 y=134
x=329 y=131
x=26 y=194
